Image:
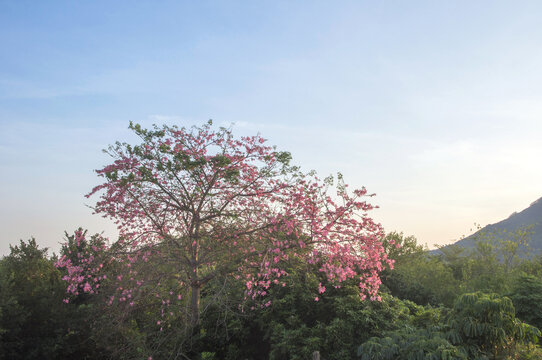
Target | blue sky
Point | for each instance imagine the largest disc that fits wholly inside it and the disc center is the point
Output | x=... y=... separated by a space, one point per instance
x=434 y=106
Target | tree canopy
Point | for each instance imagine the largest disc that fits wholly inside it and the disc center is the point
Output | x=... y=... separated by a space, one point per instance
x=198 y=203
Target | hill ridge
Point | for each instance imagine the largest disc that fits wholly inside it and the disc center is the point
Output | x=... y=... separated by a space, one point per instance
x=532 y=215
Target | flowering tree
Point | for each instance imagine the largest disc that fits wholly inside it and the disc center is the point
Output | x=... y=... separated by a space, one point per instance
x=208 y=204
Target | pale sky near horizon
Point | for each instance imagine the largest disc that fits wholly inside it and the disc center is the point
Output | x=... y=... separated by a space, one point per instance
x=434 y=106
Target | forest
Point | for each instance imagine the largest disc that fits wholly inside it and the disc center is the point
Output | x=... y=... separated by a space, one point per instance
x=227 y=251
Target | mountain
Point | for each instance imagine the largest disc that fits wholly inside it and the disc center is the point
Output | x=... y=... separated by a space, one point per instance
x=530 y=216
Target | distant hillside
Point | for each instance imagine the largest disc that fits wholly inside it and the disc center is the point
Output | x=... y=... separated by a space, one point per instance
x=530 y=216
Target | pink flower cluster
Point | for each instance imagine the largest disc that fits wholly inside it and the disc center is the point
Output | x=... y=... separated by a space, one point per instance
x=82 y=265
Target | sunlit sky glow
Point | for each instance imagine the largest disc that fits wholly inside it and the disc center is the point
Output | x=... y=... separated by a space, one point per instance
x=434 y=106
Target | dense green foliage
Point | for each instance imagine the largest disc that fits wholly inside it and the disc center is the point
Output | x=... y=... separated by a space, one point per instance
x=35 y=323
x=527 y=298
x=456 y=305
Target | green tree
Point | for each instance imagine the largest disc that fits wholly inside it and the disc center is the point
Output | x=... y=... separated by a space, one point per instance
x=398 y=246
x=411 y=344
x=480 y=326
x=418 y=276
x=485 y=324
x=458 y=260
x=527 y=298
x=31 y=286
x=35 y=322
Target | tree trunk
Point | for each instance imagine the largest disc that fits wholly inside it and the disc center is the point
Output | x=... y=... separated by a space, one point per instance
x=195 y=327
x=194 y=305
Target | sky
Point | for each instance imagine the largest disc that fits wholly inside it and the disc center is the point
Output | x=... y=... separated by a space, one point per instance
x=435 y=106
